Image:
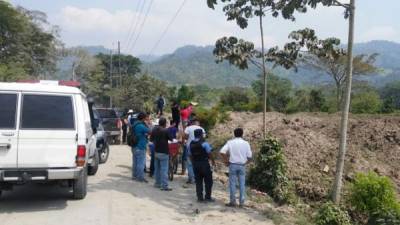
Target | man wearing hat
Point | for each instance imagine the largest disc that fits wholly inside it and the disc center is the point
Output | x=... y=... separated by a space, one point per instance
x=200 y=154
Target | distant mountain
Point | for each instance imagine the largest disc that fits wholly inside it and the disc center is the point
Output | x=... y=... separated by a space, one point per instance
x=148 y=58
x=196 y=65
x=94 y=50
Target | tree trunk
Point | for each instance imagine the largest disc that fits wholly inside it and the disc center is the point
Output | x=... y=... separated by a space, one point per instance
x=337 y=188
x=338 y=98
x=264 y=76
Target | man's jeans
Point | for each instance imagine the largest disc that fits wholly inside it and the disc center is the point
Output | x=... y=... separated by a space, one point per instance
x=188 y=165
x=139 y=161
x=161 y=170
x=237 y=172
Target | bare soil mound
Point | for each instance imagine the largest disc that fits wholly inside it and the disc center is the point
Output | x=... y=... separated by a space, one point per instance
x=311 y=144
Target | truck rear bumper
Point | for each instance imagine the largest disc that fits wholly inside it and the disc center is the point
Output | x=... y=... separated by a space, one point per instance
x=23 y=175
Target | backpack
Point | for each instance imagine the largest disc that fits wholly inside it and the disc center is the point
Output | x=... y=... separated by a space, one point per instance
x=132 y=139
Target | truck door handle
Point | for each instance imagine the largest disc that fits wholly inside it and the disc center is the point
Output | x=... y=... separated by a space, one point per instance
x=7 y=134
x=5 y=146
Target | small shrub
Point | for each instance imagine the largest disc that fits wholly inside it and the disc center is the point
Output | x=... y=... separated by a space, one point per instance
x=391 y=217
x=374 y=196
x=331 y=214
x=269 y=171
x=207 y=117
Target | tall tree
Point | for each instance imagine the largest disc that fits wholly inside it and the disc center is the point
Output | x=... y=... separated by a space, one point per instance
x=28 y=41
x=241 y=53
x=336 y=68
x=337 y=187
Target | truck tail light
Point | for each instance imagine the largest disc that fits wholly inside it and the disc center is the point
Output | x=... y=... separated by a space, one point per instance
x=81 y=155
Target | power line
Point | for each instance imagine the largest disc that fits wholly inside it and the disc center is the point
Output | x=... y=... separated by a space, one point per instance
x=142 y=25
x=168 y=26
x=137 y=22
x=133 y=21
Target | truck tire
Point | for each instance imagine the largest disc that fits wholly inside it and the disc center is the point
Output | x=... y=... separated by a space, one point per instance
x=104 y=153
x=80 y=185
x=92 y=170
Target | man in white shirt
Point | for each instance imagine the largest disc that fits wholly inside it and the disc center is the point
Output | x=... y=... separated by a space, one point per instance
x=189 y=136
x=236 y=153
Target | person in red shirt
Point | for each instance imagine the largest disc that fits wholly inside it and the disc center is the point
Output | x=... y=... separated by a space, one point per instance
x=185 y=115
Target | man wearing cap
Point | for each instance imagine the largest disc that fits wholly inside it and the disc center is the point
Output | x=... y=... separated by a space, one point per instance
x=200 y=154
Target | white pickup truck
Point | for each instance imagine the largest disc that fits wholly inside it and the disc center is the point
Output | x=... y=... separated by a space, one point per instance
x=46 y=134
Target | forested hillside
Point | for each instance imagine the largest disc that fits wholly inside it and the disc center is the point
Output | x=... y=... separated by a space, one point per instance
x=196 y=65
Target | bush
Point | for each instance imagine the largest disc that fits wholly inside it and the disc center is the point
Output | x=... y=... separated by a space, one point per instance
x=366 y=102
x=235 y=98
x=207 y=117
x=374 y=196
x=331 y=214
x=391 y=217
x=269 y=171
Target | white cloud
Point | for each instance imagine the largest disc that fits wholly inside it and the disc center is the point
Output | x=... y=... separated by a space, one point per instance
x=94 y=19
x=379 y=33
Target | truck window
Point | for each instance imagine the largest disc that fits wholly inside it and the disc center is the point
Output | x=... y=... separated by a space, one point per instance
x=107 y=113
x=47 y=112
x=8 y=111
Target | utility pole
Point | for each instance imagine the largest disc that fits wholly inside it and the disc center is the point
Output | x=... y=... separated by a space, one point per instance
x=111 y=76
x=119 y=64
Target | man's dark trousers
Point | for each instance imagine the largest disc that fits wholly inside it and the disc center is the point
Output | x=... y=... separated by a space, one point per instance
x=203 y=174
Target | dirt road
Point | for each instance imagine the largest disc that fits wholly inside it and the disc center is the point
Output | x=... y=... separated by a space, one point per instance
x=114 y=199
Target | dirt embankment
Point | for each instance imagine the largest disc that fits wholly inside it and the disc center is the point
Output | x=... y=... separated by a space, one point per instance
x=311 y=145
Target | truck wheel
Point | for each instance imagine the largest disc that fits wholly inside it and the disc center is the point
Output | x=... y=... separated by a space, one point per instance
x=104 y=153
x=92 y=170
x=79 y=185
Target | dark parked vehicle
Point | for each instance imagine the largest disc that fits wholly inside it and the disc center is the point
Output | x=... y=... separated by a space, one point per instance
x=111 y=124
x=102 y=144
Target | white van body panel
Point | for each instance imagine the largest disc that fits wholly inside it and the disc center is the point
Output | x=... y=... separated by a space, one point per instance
x=53 y=150
x=9 y=138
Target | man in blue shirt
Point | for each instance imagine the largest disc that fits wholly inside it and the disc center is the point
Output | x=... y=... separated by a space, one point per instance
x=141 y=131
x=200 y=154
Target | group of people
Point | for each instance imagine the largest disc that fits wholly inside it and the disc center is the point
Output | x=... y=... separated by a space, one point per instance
x=197 y=153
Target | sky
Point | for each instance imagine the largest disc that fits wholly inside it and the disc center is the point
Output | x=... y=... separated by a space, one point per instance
x=105 y=22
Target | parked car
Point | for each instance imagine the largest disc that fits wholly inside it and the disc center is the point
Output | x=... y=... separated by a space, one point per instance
x=111 y=123
x=47 y=134
x=102 y=144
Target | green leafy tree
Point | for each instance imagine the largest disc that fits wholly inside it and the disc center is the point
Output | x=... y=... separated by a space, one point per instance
x=391 y=94
x=335 y=67
x=139 y=93
x=130 y=65
x=28 y=41
x=240 y=52
x=278 y=93
x=185 y=94
x=366 y=102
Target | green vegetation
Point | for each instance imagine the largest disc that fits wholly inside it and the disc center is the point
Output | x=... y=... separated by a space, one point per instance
x=269 y=172
x=28 y=45
x=374 y=197
x=331 y=214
